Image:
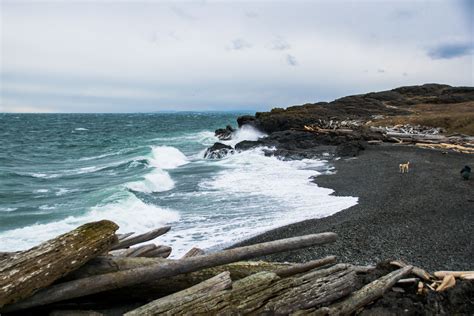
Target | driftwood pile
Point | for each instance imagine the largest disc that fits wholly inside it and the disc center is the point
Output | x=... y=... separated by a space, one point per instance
x=421 y=136
x=92 y=269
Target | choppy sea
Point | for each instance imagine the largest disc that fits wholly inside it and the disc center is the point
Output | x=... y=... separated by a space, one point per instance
x=58 y=171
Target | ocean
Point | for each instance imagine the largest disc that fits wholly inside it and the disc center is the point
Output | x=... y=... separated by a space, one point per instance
x=143 y=171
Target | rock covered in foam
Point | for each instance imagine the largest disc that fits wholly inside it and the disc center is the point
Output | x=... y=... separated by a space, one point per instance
x=218 y=150
x=225 y=133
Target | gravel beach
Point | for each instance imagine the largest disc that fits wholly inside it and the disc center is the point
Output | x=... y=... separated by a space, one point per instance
x=425 y=217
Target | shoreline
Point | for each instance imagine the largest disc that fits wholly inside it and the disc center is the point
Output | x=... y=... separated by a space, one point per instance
x=424 y=217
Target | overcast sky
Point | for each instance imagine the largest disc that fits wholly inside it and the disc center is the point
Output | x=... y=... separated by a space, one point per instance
x=123 y=56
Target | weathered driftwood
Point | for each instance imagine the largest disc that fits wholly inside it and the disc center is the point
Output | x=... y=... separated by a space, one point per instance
x=26 y=272
x=110 y=281
x=448 y=282
x=238 y=270
x=263 y=293
x=121 y=237
x=303 y=267
x=154 y=289
x=215 y=284
x=462 y=149
x=416 y=271
x=456 y=274
x=408 y=281
x=125 y=243
x=149 y=250
x=159 y=252
x=366 y=294
x=364 y=269
x=193 y=252
x=6 y=255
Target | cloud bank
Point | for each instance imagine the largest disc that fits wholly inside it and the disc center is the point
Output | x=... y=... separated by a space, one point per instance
x=137 y=57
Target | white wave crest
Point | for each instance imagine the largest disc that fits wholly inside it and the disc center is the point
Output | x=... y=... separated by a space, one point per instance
x=44 y=175
x=8 y=209
x=156 y=181
x=131 y=214
x=166 y=157
x=245 y=132
x=81 y=129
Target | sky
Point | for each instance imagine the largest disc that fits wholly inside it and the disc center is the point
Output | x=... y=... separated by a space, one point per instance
x=124 y=56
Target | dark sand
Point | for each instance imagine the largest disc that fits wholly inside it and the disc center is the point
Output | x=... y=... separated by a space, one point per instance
x=425 y=217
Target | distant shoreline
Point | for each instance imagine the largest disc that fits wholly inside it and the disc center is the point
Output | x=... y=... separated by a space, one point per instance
x=424 y=217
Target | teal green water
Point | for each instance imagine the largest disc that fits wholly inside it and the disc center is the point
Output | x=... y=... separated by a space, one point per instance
x=58 y=171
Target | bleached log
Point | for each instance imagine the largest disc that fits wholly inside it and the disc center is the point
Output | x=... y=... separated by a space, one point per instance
x=416 y=271
x=456 y=274
x=364 y=269
x=193 y=253
x=448 y=282
x=408 y=281
x=110 y=281
x=215 y=284
x=26 y=272
x=366 y=294
x=141 y=238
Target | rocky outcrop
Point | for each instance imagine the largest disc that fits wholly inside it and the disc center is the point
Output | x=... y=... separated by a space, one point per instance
x=218 y=151
x=343 y=127
x=362 y=107
x=224 y=133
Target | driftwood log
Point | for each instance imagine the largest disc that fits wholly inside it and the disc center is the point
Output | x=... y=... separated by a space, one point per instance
x=110 y=281
x=365 y=295
x=162 y=287
x=148 y=250
x=213 y=285
x=193 y=252
x=261 y=293
x=26 y=272
x=127 y=242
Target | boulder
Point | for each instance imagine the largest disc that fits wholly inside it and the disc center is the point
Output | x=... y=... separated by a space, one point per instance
x=224 y=133
x=218 y=151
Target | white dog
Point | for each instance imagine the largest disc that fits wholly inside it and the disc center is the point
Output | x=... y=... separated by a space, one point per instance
x=404 y=167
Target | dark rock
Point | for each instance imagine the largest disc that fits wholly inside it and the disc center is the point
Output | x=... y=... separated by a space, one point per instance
x=248 y=119
x=218 y=151
x=247 y=144
x=224 y=133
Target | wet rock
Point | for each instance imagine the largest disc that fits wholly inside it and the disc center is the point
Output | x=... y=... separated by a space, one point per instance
x=218 y=151
x=224 y=133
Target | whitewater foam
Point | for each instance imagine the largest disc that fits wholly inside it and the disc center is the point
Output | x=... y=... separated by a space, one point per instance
x=130 y=213
x=245 y=132
x=167 y=157
x=252 y=194
x=156 y=181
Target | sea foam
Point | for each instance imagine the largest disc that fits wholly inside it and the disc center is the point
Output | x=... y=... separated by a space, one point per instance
x=130 y=213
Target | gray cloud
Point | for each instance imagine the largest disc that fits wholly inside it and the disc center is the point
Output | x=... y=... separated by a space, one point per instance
x=200 y=57
x=279 y=44
x=182 y=13
x=381 y=71
x=251 y=14
x=239 y=44
x=451 y=50
x=291 y=60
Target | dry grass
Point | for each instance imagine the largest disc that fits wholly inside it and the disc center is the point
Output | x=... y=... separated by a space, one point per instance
x=454 y=118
